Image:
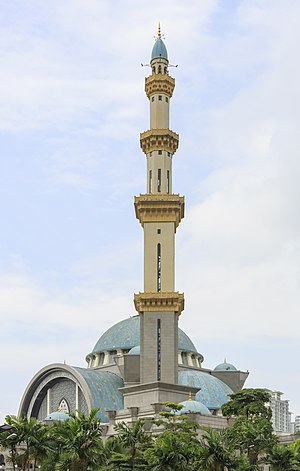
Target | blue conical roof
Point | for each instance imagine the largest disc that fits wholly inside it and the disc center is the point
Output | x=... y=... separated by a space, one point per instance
x=159 y=49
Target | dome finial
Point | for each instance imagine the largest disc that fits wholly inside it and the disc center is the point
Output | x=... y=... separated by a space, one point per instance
x=158 y=30
x=225 y=360
x=190 y=396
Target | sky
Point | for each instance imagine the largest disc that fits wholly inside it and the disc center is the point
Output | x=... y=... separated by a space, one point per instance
x=72 y=105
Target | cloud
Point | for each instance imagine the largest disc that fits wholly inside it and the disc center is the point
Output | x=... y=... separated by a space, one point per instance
x=71 y=108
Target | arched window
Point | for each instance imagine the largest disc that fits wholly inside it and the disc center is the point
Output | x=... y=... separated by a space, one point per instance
x=153 y=69
x=159 y=69
x=166 y=70
x=101 y=358
x=184 y=358
x=112 y=354
x=63 y=406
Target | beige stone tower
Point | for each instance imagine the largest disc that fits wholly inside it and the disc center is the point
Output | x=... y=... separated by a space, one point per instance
x=159 y=211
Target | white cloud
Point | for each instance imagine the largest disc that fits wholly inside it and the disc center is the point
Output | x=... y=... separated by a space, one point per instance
x=71 y=78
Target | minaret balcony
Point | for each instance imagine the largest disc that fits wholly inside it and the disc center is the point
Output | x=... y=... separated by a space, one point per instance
x=157 y=302
x=159 y=83
x=159 y=139
x=159 y=207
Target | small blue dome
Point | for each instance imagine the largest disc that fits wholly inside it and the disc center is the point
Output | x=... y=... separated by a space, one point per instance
x=159 y=49
x=126 y=335
x=225 y=367
x=213 y=393
x=58 y=415
x=135 y=350
x=193 y=406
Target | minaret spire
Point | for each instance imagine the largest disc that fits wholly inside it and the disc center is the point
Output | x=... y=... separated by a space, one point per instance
x=158 y=30
x=159 y=211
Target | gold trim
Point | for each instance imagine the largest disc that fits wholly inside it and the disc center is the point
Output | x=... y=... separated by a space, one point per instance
x=159 y=139
x=159 y=208
x=166 y=301
x=159 y=83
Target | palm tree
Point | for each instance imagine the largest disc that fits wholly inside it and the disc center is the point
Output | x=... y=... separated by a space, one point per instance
x=133 y=440
x=79 y=443
x=172 y=451
x=26 y=441
x=281 y=457
x=214 y=452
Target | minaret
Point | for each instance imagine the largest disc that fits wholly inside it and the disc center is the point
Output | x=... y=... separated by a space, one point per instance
x=159 y=211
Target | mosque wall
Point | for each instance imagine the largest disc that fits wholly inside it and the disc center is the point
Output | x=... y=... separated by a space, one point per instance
x=82 y=405
x=64 y=389
x=42 y=413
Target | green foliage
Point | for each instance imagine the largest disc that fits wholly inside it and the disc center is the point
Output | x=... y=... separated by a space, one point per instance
x=171 y=451
x=215 y=451
x=27 y=441
x=249 y=403
x=79 y=441
x=282 y=457
x=76 y=444
x=251 y=436
x=132 y=441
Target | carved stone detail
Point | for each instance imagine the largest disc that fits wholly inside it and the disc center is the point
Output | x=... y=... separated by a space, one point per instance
x=149 y=302
x=159 y=208
x=159 y=83
x=159 y=139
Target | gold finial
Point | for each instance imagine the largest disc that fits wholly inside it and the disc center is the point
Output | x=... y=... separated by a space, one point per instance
x=158 y=30
x=190 y=396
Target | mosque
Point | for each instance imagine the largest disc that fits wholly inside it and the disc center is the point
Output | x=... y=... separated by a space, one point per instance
x=145 y=360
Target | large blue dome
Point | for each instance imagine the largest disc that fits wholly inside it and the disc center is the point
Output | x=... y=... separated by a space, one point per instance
x=213 y=393
x=126 y=335
x=159 y=49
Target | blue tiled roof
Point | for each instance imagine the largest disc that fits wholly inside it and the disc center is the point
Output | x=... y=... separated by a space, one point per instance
x=193 y=406
x=213 y=393
x=225 y=367
x=126 y=334
x=159 y=49
x=104 y=387
x=57 y=415
x=135 y=350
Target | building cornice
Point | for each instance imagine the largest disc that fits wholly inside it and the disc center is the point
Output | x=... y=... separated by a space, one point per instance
x=159 y=139
x=160 y=207
x=159 y=83
x=163 y=301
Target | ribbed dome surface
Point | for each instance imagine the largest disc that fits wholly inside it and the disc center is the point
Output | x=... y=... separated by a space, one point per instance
x=213 y=393
x=126 y=335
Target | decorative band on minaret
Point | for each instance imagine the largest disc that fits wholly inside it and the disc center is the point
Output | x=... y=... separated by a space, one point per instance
x=159 y=211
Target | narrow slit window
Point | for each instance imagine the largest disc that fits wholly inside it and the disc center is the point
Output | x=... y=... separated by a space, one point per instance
x=168 y=181
x=159 y=97
x=167 y=99
x=160 y=152
x=150 y=181
x=159 y=69
x=158 y=268
x=158 y=350
x=159 y=180
x=152 y=98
